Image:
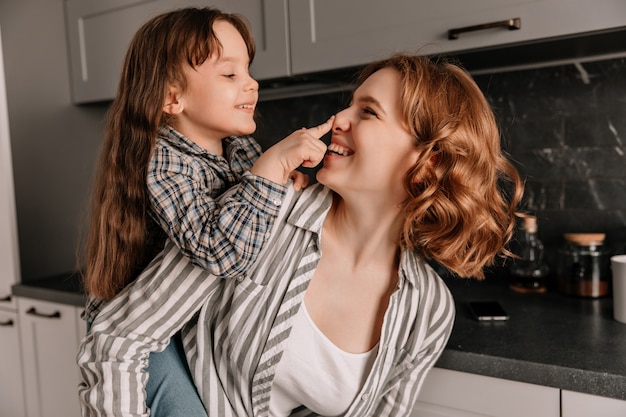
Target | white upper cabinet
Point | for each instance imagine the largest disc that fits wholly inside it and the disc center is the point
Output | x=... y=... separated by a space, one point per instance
x=329 y=34
x=295 y=37
x=99 y=33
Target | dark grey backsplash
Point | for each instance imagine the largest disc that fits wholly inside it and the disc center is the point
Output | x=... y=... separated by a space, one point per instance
x=564 y=127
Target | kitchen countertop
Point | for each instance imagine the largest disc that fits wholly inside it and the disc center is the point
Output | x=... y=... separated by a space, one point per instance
x=550 y=339
x=62 y=288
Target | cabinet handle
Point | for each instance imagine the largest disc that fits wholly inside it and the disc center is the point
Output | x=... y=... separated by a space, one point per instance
x=33 y=312
x=7 y=323
x=511 y=24
x=5 y=299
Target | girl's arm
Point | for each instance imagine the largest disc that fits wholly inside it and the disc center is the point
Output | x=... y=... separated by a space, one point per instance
x=226 y=238
x=222 y=236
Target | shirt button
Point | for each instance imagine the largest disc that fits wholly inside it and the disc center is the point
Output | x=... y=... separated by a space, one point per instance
x=365 y=397
x=240 y=278
x=277 y=203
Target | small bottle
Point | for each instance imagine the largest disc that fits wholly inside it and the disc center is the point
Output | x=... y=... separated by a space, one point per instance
x=528 y=272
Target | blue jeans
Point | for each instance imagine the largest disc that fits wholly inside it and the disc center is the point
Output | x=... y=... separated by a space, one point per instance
x=170 y=389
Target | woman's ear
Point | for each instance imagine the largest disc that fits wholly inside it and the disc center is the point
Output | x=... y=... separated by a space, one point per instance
x=173 y=100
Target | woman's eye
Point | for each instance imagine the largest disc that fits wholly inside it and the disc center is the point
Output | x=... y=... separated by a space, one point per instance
x=229 y=75
x=369 y=112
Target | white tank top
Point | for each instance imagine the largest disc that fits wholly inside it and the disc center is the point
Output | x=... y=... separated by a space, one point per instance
x=315 y=373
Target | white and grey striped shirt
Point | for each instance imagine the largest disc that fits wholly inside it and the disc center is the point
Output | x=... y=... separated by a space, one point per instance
x=237 y=329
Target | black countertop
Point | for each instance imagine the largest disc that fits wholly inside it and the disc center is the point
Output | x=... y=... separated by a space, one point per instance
x=62 y=288
x=550 y=339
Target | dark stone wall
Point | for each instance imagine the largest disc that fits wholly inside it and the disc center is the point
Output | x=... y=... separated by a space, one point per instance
x=563 y=126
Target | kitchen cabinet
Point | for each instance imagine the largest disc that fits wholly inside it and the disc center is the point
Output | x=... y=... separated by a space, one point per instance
x=99 y=32
x=11 y=383
x=49 y=342
x=576 y=404
x=448 y=393
x=327 y=34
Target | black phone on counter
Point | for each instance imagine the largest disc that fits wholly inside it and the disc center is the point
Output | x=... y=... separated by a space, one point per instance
x=487 y=311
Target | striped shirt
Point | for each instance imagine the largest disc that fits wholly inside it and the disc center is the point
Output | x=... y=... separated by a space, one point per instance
x=236 y=330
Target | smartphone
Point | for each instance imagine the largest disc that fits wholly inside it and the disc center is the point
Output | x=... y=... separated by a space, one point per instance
x=487 y=310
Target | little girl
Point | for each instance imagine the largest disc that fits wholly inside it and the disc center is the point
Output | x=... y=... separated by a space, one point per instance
x=175 y=140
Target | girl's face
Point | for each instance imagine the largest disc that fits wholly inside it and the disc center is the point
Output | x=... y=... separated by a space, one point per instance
x=221 y=95
x=371 y=150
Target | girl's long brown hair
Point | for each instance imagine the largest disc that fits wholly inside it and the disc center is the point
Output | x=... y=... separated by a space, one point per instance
x=117 y=245
x=463 y=190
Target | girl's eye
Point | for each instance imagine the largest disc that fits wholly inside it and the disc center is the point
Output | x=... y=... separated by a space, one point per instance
x=229 y=75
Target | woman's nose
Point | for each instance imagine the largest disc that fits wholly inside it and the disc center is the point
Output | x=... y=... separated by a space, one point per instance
x=341 y=122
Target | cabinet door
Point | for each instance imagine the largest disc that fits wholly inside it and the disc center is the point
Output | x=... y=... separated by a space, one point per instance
x=576 y=404
x=328 y=34
x=48 y=340
x=11 y=383
x=268 y=20
x=99 y=33
x=447 y=393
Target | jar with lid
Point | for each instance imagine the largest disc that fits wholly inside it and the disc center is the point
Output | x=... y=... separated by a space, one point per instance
x=583 y=266
x=528 y=273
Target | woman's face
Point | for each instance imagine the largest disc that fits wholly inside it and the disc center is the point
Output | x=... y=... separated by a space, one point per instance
x=371 y=150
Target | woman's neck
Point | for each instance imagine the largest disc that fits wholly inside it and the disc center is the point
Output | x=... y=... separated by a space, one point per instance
x=366 y=231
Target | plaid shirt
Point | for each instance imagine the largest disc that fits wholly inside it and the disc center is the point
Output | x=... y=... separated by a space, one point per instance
x=184 y=180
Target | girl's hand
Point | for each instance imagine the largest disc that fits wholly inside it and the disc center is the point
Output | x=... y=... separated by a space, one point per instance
x=302 y=147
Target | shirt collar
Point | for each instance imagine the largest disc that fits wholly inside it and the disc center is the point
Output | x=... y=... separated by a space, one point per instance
x=175 y=138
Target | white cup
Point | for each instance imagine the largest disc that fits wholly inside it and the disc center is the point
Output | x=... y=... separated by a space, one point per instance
x=618 y=266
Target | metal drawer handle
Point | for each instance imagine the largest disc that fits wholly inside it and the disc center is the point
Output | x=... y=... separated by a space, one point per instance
x=5 y=299
x=511 y=24
x=7 y=323
x=33 y=312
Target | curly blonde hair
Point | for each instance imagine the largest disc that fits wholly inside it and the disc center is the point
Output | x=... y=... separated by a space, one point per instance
x=461 y=212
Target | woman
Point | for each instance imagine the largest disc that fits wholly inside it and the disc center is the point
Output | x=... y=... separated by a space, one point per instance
x=341 y=314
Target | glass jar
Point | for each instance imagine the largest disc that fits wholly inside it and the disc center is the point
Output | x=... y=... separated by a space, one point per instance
x=583 y=266
x=528 y=273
